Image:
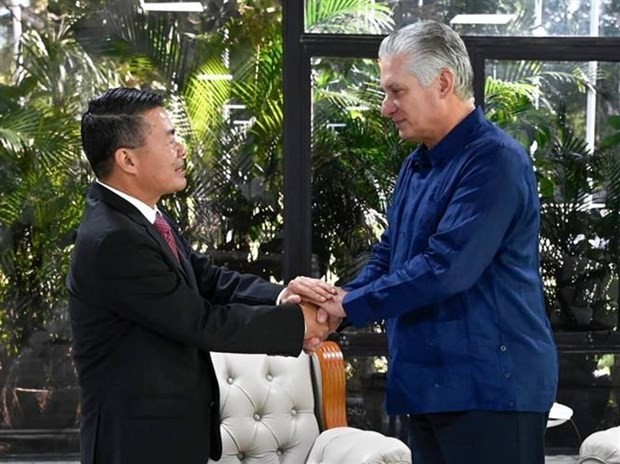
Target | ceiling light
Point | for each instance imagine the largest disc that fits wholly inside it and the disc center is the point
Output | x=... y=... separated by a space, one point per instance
x=184 y=7
x=496 y=19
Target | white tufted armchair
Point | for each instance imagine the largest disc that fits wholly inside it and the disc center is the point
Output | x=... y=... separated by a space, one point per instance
x=273 y=409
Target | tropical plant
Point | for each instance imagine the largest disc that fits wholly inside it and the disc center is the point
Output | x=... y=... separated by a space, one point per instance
x=579 y=207
x=356 y=158
x=348 y=17
x=42 y=183
x=42 y=176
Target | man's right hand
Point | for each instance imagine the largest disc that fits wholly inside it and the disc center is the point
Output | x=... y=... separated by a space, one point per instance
x=316 y=330
x=333 y=322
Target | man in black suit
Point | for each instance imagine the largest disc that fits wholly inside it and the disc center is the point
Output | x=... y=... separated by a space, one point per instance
x=146 y=310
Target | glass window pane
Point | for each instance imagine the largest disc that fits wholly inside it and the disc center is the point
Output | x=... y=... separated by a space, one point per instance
x=589 y=384
x=7 y=54
x=366 y=382
x=356 y=157
x=493 y=17
x=353 y=17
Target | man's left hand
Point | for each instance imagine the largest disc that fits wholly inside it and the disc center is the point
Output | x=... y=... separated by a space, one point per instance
x=309 y=289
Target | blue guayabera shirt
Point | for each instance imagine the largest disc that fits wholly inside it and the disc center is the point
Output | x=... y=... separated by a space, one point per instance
x=456 y=277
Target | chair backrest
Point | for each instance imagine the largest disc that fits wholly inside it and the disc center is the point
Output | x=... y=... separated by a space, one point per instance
x=267 y=408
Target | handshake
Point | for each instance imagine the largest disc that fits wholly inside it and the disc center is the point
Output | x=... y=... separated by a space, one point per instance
x=321 y=304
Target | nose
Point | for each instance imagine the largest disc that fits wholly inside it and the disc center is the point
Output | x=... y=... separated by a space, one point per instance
x=387 y=107
x=181 y=148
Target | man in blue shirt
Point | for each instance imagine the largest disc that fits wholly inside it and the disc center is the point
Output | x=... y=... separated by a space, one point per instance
x=456 y=274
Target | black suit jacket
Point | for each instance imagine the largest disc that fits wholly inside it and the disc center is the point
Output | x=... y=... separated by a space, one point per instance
x=143 y=326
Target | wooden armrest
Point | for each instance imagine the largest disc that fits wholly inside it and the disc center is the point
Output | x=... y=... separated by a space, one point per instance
x=333 y=385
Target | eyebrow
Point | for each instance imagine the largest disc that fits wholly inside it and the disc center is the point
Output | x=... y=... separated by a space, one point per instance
x=393 y=86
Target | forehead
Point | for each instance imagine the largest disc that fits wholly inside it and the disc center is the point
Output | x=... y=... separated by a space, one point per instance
x=394 y=71
x=157 y=118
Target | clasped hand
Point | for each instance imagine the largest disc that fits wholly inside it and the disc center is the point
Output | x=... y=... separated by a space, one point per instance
x=321 y=304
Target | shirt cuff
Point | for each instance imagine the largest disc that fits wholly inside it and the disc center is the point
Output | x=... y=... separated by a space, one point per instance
x=279 y=298
x=356 y=309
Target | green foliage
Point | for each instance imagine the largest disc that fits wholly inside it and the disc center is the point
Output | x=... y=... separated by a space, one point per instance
x=237 y=180
x=42 y=176
x=348 y=17
x=356 y=158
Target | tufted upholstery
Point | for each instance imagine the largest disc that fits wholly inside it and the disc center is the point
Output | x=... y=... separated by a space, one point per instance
x=348 y=445
x=268 y=413
x=601 y=447
x=267 y=408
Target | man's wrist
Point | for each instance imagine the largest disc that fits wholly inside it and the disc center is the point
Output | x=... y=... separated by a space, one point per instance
x=280 y=295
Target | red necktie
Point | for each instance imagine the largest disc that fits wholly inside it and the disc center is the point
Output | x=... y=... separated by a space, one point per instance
x=166 y=231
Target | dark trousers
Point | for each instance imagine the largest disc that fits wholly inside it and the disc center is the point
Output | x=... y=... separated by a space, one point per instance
x=478 y=437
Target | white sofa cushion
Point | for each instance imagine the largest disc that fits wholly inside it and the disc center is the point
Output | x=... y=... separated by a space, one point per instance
x=348 y=445
x=601 y=447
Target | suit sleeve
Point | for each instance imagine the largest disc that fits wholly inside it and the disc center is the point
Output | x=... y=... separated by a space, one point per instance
x=223 y=286
x=135 y=282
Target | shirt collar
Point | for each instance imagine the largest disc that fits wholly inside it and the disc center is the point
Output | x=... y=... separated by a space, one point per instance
x=148 y=212
x=453 y=143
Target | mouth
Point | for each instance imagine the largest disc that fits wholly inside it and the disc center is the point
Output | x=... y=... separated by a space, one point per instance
x=180 y=170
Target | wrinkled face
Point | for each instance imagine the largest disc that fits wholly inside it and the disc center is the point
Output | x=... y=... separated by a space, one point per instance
x=414 y=109
x=160 y=161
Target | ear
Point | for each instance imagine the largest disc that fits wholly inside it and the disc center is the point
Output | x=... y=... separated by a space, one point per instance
x=125 y=160
x=446 y=83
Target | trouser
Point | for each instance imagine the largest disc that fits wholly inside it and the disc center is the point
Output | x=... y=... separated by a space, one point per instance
x=478 y=437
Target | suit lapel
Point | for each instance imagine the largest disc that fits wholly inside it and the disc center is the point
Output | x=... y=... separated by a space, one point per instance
x=186 y=265
x=99 y=193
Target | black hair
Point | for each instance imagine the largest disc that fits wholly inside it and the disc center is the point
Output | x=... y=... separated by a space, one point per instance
x=114 y=120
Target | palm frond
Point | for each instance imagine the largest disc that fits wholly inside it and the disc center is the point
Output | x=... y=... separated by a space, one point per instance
x=348 y=16
x=207 y=92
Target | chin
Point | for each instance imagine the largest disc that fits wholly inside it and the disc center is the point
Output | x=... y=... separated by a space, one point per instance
x=180 y=185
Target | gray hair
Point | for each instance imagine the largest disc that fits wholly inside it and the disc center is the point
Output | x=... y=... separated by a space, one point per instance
x=435 y=46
